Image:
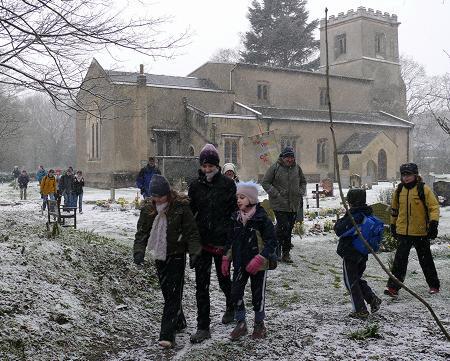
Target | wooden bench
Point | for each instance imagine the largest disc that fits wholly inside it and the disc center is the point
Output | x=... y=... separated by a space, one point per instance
x=58 y=213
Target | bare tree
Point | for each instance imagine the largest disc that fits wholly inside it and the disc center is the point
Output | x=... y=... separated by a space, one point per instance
x=11 y=117
x=226 y=55
x=45 y=45
x=440 y=106
x=417 y=85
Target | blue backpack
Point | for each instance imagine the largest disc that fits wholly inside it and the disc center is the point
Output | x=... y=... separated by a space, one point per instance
x=372 y=229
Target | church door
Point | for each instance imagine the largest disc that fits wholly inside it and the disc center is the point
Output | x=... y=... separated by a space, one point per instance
x=372 y=170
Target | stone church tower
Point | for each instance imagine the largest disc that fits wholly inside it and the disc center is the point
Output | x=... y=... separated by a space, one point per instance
x=364 y=44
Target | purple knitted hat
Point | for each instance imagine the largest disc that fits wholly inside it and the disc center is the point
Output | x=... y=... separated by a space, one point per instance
x=209 y=155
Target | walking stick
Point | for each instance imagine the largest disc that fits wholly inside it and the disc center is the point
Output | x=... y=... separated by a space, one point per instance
x=338 y=176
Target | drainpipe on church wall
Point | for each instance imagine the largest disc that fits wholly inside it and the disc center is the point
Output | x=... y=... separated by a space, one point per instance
x=231 y=76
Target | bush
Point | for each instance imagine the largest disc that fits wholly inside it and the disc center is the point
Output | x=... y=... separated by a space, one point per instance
x=389 y=243
x=371 y=331
x=328 y=226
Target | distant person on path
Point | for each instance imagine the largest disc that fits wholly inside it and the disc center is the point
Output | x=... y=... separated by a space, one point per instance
x=229 y=170
x=66 y=188
x=213 y=201
x=41 y=173
x=78 y=184
x=16 y=174
x=251 y=244
x=354 y=262
x=285 y=184
x=166 y=224
x=23 y=184
x=48 y=188
x=414 y=221
x=145 y=176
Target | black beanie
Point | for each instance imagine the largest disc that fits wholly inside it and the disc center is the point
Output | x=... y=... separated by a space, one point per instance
x=159 y=186
x=287 y=152
x=409 y=168
x=356 y=197
x=209 y=155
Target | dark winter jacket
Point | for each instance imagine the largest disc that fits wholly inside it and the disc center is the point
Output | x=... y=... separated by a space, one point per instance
x=23 y=180
x=41 y=173
x=212 y=204
x=285 y=186
x=256 y=237
x=78 y=185
x=345 y=247
x=144 y=177
x=66 y=183
x=16 y=172
x=182 y=233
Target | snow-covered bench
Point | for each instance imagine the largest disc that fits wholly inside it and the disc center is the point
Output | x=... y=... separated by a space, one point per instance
x=58 y=213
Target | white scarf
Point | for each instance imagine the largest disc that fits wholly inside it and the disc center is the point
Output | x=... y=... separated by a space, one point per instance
x=210 y=175
x=158 y=235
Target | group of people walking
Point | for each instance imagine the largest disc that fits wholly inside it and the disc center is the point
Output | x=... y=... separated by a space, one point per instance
x=53 y=184
x=221 y=222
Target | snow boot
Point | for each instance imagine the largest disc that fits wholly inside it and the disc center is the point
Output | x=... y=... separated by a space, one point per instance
x=259 y=330
x=391 y=292
x=375 y=304
x=287 y=258
x=433 y=290
x=228 y=316
x=166 y=344
x=200 y=336
x=361 y=315
x=239 y=331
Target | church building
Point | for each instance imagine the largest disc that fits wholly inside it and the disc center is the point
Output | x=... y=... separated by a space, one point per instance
x=250 y=112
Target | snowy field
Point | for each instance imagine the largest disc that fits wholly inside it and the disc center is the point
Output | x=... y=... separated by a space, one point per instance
x=78 y=296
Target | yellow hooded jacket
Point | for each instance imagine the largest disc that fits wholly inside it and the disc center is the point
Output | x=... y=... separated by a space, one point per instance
x=408 y=214
x=48 y=185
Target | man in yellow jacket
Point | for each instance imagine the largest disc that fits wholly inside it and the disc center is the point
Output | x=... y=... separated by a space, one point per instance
x=48 y=188
x=414 y=221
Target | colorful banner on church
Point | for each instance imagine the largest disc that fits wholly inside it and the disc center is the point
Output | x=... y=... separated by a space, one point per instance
x=266 y=147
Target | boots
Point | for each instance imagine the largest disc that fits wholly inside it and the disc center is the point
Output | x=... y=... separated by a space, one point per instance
x=259 y=330
x=200 y=336
x=286 y=258
x=239 y=331
x=375 y=304
x=228 y=316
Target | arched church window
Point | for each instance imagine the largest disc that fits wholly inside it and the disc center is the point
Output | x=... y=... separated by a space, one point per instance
x=382 y=165
x=345 y=162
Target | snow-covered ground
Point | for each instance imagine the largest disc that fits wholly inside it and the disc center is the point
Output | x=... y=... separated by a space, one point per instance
x=79 y=297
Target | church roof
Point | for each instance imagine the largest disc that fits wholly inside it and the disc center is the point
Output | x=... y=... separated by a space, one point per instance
x=379 y=118
x=357 y=142
x=123 y=77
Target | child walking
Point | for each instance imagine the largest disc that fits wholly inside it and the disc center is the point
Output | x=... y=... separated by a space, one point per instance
x=354 y=262
x=167 y=225
x=251 y=243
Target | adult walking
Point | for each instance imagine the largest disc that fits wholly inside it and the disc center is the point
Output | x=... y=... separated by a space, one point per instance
x=145 y=176
x=41 y=173
x=23 y=184
x=66 y=188
x=48 y=188
x=78 y=184
x=213 y=201
x=414 y=221
x=167 y=225
x=285 y=184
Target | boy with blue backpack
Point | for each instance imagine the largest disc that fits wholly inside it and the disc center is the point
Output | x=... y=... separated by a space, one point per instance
x=355 y=254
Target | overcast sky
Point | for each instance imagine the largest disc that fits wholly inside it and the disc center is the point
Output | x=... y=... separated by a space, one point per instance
x=424 y=32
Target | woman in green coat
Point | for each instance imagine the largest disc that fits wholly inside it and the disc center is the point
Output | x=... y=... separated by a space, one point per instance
x=167 y=227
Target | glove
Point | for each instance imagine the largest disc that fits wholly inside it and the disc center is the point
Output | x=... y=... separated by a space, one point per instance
x=255 y=265
x=433 y=229
x=193 y=261
x=394 y=230
x=225 y=266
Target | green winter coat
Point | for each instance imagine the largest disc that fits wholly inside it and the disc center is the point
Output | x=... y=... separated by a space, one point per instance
x=285 y=186
x=182 y=233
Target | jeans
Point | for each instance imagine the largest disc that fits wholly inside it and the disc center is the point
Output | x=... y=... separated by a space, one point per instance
x=23 y=193
x=70 y=199
x=79 y=200
x=46 y=197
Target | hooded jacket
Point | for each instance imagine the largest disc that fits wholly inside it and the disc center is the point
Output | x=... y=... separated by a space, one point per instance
x=48 y=185
x=182 y=233
x=285 y=186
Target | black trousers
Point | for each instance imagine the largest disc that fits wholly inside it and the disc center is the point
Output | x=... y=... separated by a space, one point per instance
x=360 y=292
x=171 y=280
x=202 y=282
x=400 y=265
x=258 y=287
x=285 y=223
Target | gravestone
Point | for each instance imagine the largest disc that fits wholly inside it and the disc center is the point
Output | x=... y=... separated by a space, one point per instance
x=327 y=186
x=382 y=211
x=366 y=182
x=355 y=181
x=442 y=190
x=345 y=178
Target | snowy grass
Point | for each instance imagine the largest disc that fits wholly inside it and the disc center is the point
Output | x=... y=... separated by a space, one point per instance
x=79 y=296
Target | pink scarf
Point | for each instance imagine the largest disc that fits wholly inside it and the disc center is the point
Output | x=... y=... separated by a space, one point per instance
x=245 y=216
